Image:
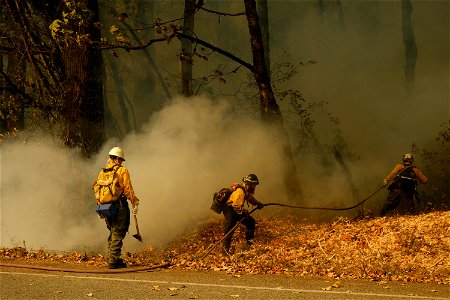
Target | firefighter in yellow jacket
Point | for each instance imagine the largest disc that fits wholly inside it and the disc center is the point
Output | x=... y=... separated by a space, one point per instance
x=234 y=211
x=402 y=181
x=118 y=224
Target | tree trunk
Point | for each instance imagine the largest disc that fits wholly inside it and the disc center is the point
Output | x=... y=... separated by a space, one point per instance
x=347 y=174
x=270 y=111
x=409 y=42
x=121 y=98
x=83 y=73
x=263 y=15
x=186 y=48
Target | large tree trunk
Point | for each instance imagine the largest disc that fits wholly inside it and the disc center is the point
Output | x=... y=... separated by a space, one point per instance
x=270 y=111
x=263 y=15
x=186 y=48
x=83 y=73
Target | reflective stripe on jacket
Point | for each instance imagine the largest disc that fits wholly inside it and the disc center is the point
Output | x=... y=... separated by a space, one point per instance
x=399 y=167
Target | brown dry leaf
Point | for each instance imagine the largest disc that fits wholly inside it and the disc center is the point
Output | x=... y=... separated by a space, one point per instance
x=399 y=248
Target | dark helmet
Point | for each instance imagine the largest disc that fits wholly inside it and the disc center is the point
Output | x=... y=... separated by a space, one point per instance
x=408 y=158
x=251 y=179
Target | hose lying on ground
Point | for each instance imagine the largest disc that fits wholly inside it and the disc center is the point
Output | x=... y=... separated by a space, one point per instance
x=165 y=265
x=109 y=271
x=211 y=248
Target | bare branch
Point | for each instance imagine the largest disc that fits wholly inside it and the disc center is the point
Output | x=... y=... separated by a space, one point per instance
x=214 y=48
x=221 y=13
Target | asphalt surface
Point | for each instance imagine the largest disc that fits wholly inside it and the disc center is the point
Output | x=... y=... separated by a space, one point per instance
x=20 y=283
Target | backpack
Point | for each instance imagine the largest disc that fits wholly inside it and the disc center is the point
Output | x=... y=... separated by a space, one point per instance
x=221 y=197
x=106 y=186
x=405 y=180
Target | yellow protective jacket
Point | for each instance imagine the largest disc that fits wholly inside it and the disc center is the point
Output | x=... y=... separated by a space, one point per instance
x=399 y=167
x=124 y=182
x=238 y=198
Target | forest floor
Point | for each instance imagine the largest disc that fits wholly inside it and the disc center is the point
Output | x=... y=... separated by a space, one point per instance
x=399 y=248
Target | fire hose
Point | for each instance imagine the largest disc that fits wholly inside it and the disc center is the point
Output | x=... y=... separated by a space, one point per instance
x=125 y=270
x=328 y=208
x=208 y=251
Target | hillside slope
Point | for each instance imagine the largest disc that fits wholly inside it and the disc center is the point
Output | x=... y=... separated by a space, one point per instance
x=410 y=248
x=400 y=248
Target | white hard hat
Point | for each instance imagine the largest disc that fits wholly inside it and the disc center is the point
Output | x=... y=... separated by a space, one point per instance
x=117 y=151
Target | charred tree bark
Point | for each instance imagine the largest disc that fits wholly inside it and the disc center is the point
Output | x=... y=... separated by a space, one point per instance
x=270 y=111
x=409 y=42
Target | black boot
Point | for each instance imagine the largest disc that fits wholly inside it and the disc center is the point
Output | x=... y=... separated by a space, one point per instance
x=118 y=264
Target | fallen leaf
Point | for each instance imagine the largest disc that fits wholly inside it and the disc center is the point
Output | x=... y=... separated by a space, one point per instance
x=336 y=284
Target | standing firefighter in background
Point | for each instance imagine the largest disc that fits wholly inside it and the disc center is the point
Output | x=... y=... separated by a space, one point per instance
x=402 y=185
x=112 y=189
x=234 y=211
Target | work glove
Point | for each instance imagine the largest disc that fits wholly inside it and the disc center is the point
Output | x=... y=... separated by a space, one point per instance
x=135 y=209
x=260 y=205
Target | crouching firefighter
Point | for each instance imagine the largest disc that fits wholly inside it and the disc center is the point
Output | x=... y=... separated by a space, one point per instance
x=234 y=211
x=402 y=181
x=112 y=189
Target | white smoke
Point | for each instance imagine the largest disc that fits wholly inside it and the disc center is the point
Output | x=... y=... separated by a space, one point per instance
x=187 y=151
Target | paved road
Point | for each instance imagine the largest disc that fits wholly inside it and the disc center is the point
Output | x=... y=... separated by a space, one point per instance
x=18 y=283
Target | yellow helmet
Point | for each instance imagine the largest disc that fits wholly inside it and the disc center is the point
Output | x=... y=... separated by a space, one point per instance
x=408 y=158
x=117 y=151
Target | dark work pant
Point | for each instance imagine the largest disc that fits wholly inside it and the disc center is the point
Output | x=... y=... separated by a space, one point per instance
x=231 y=219
x=395 y=197
x=118 y=228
